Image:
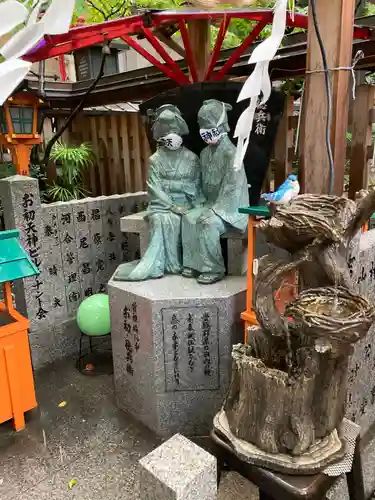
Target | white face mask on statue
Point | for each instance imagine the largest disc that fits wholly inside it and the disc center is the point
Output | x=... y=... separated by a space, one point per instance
x=210 y=135
x=171 y=141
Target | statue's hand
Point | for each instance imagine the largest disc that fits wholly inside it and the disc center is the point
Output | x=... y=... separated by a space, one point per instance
x=206 y=216
x=178 y=210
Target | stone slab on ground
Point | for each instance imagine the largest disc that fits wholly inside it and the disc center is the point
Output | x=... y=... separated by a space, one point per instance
x=89 y=440
x=172 y=341
x=101 y=446
x=178 y=470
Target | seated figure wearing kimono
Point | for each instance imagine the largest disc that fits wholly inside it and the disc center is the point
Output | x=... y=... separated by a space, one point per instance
x=174 y=180
x=224 y=189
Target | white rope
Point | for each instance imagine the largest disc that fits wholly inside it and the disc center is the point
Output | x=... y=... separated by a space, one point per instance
x=359 y=55
x=299 y=119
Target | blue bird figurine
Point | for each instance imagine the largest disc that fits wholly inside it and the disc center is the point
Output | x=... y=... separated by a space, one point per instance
x=285 y=193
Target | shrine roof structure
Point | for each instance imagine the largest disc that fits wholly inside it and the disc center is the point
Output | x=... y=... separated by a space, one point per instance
x=165 y=73
x=151 y=22
x=142 y=84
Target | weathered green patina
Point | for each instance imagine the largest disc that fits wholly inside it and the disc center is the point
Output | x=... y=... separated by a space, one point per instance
x=174 y=180
x=225 y=190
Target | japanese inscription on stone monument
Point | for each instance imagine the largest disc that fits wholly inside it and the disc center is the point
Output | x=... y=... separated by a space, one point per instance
x=33 y=247
x=131 y=334
x=191 y=348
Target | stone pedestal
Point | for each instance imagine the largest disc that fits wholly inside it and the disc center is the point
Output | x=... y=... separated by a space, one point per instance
x=172 y=341
x=178 y=470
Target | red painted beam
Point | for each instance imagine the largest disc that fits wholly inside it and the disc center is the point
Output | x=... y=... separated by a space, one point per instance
x=58 y=47
x=164 y=54
x=155 y=62
x=62 y=68
x=218 y=44
x=189 y=53
x=240 y=50
x=84 y=36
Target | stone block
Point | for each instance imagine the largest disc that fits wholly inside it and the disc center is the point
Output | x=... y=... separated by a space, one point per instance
x=368 y=458
x=51 y=342
x=361 y=381
x=339 y=491
x=112 y=233
x=22 y=210
x=178 y=470
x=84 y=247
x=52 y=266
x=97 y=236
x=171 y=343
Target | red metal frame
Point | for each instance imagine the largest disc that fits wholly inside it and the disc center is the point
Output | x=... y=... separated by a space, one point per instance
x=240 y=50
x=164 y=54
x=150 y=58
x=62 y=68
x=188 y=50
x=84 y=36
x=219 y=42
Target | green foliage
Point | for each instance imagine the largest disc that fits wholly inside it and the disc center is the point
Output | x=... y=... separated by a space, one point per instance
x=6 y=170
x=97 y=11
x=71 y=162
x=293 y=86
x=369 y=9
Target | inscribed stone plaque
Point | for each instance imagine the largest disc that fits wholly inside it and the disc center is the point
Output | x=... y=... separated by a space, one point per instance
x=361 y=380
x=131 y=334
x=95 y=214
x=65 y=221
x=191 y=348
x=112 y=234
x=83 y=243
x=82 y=65
x=52 y=266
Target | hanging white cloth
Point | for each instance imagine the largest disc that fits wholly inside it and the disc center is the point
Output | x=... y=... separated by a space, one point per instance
x=56 y=20
x=12 y=14
x=258 y=86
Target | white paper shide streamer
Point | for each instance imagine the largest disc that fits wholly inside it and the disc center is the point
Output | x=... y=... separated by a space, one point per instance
x=56 y=20
x=259 y=82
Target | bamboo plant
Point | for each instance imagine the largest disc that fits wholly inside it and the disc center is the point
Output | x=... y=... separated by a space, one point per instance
x=71 y=163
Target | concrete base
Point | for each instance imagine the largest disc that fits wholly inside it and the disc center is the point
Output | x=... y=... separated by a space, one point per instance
x=171 y=342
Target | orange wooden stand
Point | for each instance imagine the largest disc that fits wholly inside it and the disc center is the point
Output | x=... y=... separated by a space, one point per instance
x=17 y=393
x=249 y=316
x=285 y=294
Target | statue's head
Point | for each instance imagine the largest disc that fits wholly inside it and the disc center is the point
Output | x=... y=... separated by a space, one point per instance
x=213 y=120
x=169 y=126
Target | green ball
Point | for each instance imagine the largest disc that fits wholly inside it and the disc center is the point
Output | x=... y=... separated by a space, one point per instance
x=93 y=315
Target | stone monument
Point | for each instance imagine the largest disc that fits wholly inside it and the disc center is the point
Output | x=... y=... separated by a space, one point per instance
x=172 y=337
x=287 y=398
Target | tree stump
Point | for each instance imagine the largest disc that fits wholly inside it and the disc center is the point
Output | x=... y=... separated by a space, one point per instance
x=288 y=390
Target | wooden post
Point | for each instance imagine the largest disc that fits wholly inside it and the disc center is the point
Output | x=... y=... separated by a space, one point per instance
x=199 y=36
x=284 y=144
x=335 y=20
x=361 y=139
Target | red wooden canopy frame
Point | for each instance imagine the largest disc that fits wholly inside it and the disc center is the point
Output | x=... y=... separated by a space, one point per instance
x=142 y=25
